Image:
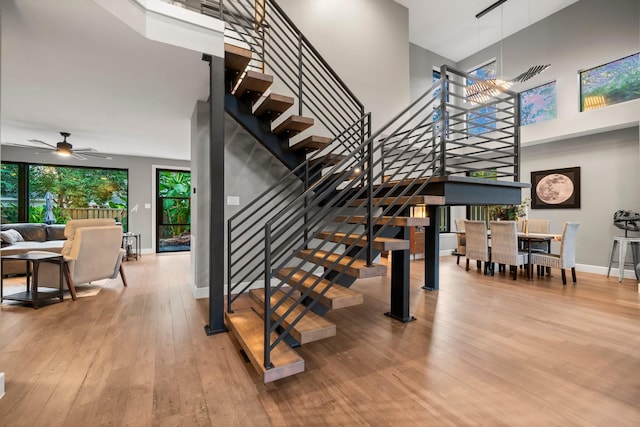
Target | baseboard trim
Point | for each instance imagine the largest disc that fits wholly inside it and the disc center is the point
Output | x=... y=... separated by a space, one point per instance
x=203 y=292
x=587 y=268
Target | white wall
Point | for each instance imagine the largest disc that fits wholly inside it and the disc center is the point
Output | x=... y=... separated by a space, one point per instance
x=249 y=170
x=366 y=42
x=586 y=34
x=609 y=181
x=422 y=64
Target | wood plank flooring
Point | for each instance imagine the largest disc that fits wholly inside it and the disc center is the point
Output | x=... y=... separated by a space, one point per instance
x=484 y=351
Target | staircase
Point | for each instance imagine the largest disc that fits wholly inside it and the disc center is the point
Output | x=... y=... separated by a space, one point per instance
x=298 y=247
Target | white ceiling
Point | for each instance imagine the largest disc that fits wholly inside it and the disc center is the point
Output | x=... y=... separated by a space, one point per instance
x=68 y=65
x=450 y=28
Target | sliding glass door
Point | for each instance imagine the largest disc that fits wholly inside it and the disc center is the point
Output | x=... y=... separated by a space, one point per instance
x=173 y=210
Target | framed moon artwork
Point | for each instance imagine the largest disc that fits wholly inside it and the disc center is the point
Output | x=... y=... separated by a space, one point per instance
x=556 y=189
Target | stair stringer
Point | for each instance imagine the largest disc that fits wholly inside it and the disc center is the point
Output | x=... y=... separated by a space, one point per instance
x=261 y=131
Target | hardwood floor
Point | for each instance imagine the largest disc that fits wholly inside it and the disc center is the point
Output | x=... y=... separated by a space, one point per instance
x=483 y=351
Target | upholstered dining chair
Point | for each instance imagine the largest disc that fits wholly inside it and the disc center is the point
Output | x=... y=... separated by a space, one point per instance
x=477 y=244
x=462 y=240
x=504 y=247
x=567 y=256
x=91 y=252
x=535 y=226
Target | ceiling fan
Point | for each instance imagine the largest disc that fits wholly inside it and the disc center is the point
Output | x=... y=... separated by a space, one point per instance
x=65 y=149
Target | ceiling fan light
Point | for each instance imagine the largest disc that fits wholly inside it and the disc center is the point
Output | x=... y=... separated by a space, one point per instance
x=63 y=149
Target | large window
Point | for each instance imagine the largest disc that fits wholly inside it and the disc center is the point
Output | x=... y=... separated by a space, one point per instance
x=54 y=194
x=485 y=119
x=611 y=83
x=538 y=104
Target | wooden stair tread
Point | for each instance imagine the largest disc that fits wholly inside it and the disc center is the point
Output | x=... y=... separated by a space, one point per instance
x=248 y=327
x=336 y=297
x=403 y=183
x=357 y=269
x=310 y=328
x=253 y=85
x=310 y=143
x=399 y=221
x=379 y=243
x=236 y=58
x=413 y=200
x=350 y=177
x=273 y=106
x=293 y=125
x=328 y=160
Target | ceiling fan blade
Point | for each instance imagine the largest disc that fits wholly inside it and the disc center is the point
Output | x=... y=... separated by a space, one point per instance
x=78 y=156
x=37 y=141
x=93 y=154
x=85 y=149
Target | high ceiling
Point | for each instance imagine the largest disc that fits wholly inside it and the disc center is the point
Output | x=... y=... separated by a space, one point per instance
x=68 y=65
x=450 y=27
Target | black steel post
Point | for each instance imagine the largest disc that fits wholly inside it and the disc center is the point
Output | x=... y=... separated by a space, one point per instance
x=516 y=135
x=229 y=275
x=267 y=296
x=432 y=250
x=370 y=225
x=217 y=203
x=306 y=204
x=300 y=68
x=400 y=281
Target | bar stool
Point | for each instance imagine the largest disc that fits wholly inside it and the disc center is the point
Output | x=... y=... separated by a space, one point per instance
x=622 y=254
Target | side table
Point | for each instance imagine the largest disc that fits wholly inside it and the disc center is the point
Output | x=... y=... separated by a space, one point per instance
x=32 y=294
x=131 y=245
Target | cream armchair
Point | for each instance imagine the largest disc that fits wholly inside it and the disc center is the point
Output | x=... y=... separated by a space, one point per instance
x=92 y=252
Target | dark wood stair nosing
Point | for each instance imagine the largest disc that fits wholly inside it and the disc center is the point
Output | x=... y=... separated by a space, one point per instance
x=253 y=84
x=293 y=125
x=273 y=105
x=311 y=143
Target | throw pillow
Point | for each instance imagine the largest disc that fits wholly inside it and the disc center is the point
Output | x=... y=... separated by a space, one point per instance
x=11 y=236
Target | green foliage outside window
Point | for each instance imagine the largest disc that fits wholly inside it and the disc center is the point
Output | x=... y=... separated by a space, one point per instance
x=175 y=189
x=74 y=189
x=79 y=187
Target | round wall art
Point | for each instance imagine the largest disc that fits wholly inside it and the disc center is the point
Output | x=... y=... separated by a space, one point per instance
x=558 y=188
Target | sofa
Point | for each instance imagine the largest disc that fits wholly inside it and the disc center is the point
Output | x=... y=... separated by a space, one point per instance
x=29 y=237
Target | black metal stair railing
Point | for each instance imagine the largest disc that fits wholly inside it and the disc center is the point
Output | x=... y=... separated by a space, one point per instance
x=443 y=132
x=281 y=49
x=245 y=237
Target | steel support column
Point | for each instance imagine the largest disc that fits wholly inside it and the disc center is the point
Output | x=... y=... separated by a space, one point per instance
x=216 y=177
x=432 y=250
x=400 y=281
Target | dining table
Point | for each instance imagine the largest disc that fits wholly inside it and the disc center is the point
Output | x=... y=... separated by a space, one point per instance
x=525 y=240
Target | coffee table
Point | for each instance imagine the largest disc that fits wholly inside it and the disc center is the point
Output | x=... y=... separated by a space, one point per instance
x=33 y=294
